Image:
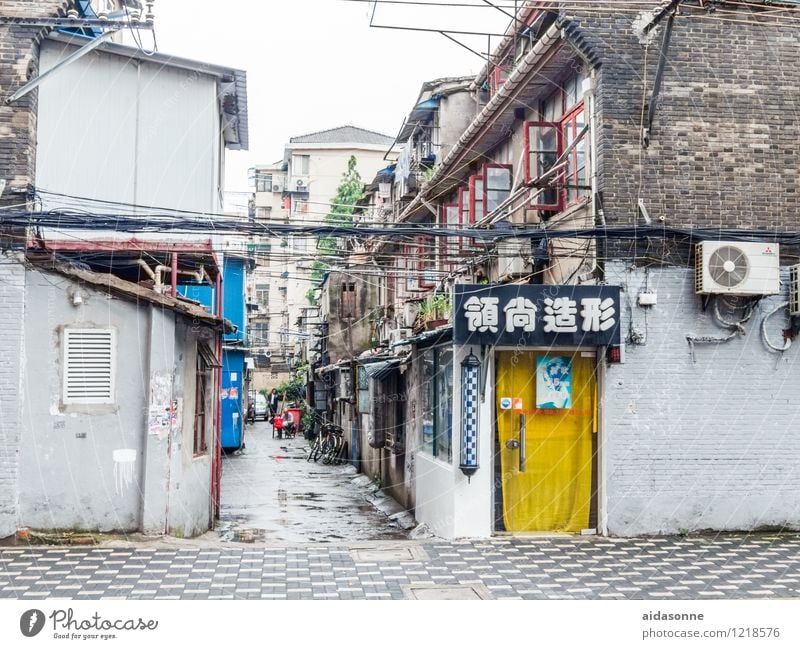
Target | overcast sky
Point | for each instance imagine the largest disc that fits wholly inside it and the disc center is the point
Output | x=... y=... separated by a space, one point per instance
x=317 y=64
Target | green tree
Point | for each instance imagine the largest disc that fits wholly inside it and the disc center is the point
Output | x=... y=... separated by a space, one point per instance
x=349 y=192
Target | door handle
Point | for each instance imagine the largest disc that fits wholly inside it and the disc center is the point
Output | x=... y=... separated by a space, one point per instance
x=522 y=443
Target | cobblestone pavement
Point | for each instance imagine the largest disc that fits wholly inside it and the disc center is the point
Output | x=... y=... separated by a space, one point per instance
x=535 y=567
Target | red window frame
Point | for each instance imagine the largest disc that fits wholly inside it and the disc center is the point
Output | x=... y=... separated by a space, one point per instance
x=486 y=168
x=561 y=178
x=497 y=78
x=466 y=244
x=476 y=198
x=571 y=175
x=532 y=174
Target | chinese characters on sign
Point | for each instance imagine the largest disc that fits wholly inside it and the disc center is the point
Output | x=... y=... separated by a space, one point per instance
x=536 y=314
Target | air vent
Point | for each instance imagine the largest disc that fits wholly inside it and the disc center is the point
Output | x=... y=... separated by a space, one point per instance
x=794 y=290
x=88 y=366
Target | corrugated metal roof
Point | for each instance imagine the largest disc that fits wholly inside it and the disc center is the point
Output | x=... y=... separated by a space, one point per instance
x=343 y=134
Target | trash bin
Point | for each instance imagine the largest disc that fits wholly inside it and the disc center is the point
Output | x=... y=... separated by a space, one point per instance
x=297 y=414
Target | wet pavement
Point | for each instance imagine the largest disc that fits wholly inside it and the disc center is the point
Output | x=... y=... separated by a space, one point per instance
x=271 y=494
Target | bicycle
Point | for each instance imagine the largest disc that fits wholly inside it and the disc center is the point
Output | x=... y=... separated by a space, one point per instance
x=334 y=453
x=327 y=444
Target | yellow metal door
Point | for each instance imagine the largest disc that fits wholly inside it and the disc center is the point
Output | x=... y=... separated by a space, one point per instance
x=547 y=469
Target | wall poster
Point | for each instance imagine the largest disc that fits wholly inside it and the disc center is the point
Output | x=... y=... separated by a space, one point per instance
x=554 y=382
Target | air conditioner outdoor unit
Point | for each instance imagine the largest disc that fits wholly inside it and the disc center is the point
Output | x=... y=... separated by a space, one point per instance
x=794 y=290
x=513 y=258
x=737 y=268
x=268 y=354
x=277 y=188
x=398 y=335
x=301 y=183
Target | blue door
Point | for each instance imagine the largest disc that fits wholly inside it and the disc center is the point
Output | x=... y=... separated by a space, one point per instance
x=232 y=420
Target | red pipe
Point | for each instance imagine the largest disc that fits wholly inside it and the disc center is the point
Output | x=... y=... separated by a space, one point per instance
x=216 y=470
x=174 y=289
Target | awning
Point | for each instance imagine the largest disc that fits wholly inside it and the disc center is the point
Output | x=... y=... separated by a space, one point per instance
x=382 y=369
x=428 y=338
x=208 y=355
x=419 y=115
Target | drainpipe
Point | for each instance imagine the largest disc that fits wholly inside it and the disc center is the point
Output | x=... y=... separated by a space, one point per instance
x=216 y=477
x=174 y=275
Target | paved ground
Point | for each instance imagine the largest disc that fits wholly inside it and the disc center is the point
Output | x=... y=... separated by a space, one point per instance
x=532 y=568
x=313 y=535
x=271 y=493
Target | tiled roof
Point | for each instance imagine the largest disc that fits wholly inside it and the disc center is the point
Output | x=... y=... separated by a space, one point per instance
x=344 y=134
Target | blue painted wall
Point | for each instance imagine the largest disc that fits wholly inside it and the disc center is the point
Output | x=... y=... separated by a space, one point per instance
x=233 y=297
x=232 y=399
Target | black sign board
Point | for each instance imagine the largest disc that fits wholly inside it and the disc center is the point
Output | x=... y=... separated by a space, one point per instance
x=535 y=315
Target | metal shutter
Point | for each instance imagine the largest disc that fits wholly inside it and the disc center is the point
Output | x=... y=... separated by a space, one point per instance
x=89 y=366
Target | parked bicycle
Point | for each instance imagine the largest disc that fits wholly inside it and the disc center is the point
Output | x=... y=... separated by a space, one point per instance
x=329 y=445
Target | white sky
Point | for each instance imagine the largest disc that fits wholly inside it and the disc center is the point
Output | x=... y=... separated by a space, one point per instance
x=316 y=64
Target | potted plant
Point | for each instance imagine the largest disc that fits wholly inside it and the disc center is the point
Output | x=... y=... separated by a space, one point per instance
x=436 y=311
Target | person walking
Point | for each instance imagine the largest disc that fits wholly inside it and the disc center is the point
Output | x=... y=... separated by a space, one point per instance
x=274 y=400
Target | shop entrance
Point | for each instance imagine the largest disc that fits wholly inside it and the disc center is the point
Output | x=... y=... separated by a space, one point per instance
x=546 y=405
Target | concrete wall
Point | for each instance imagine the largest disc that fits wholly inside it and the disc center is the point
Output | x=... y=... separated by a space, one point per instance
x=12 y=358
x=68 y=477
x=349 y=337
x=190 y=506
x=711 y=444
x=71 y=476
x=456 y=111
x=445 y=500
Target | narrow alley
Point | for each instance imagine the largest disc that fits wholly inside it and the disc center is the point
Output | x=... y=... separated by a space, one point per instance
x=271 y=493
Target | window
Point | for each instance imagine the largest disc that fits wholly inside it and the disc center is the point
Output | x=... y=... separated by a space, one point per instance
x=498 y=77
x=437 y=403
x=263 y=213
x=348 y=302
x=426 y=264
x=89 y=366
x=259 y=333
x=476 y=208
x=263 y=182
x=300 y=207
x=409 y=261
x=450 y=247
x=560 y=134
x=300 y=165
x=262 y=295
x=467 y=244
x=497 y=185
x=203 y=407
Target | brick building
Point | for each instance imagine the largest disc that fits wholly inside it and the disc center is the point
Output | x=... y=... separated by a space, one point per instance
x=629 y=381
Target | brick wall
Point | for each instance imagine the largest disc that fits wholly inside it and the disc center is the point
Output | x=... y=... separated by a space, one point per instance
x=20 y=62
x=724 y=138
x=706 y=445
x=19 y=52
x=12 y=296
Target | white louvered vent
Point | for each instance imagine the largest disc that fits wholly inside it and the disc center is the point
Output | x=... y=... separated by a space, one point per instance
x=89 y=365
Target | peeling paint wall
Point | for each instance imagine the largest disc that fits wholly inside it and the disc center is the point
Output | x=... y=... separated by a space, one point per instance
x=69 y=475
x=126 y=466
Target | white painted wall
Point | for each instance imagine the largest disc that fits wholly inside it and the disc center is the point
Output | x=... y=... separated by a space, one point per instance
x=117 y=129
x=451 y=505
x=706 y=445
